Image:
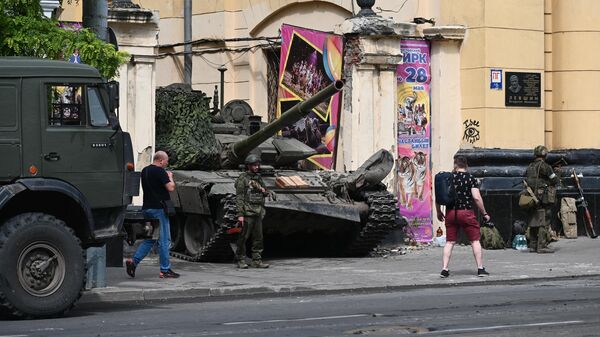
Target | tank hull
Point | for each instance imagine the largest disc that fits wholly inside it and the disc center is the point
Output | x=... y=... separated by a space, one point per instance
x=303 y=221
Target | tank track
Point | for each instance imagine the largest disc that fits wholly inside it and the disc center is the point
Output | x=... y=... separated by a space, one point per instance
x=381 y=220
x=218 y=248
x=383 y=213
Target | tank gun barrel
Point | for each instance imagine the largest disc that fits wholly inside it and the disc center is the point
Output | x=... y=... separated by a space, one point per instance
x=238 y=151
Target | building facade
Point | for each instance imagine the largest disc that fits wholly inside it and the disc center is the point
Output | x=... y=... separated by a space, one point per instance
x=479 y=49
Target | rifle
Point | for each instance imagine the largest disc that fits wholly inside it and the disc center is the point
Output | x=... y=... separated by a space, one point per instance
x=587 y=217
x=560 y=163
x=557 y=168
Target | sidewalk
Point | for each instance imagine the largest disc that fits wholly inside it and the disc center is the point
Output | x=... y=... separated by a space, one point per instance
x=417 y=268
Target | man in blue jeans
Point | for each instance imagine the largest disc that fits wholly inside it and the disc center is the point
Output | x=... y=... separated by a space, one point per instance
x=156 y=183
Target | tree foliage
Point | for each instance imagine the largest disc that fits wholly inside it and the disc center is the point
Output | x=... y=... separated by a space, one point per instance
x=24 y=31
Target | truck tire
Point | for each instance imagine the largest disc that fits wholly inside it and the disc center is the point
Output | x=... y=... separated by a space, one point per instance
x=50 y=271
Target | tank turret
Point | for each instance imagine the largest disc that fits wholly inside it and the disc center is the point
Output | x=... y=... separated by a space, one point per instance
x=235 y=153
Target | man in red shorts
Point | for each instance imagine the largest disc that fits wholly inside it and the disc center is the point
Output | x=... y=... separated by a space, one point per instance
x=462 y=215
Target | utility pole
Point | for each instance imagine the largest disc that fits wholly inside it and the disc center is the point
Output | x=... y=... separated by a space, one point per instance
x=222 y=69
x=95 y=17
x=187 y=38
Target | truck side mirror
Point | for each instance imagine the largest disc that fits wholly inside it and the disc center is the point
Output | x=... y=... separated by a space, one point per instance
x=113 y=104
x=113 y=95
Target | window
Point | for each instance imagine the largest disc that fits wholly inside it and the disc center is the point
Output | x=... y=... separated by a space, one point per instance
x=65 y=105
x=97 y=112
x=9 y=99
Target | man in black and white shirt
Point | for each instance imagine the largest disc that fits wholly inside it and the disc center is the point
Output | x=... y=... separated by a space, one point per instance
x=462 y=215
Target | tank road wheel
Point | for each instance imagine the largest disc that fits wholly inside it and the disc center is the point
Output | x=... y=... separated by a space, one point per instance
x=177 y=242
x=197 y=232
x=42 y=266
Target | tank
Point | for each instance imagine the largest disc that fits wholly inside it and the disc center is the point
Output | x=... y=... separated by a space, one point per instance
x=316 y=212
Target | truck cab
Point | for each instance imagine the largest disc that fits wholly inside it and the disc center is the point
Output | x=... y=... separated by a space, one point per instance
x=66 y=179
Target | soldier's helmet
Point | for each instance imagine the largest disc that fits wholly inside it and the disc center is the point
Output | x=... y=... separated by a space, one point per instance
x=540 y=151
x=252 y=159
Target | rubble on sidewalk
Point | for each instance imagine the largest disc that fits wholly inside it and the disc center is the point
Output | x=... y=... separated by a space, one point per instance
x=396 y=250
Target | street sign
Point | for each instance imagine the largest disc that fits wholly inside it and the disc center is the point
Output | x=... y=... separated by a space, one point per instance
x=496 y=79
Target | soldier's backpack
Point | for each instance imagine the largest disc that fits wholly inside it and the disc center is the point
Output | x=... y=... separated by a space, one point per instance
x=445 y=193
x=568 y=217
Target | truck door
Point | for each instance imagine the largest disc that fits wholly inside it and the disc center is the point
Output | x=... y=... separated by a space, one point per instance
x=78 y=144
x=10 y=135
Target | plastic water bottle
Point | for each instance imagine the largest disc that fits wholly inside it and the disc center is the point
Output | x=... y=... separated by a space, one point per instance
x=520 y=242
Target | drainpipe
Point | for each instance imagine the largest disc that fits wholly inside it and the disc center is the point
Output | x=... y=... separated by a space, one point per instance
x=187 y=38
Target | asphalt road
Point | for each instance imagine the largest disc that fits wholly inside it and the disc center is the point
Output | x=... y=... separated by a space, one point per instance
x=551 y=308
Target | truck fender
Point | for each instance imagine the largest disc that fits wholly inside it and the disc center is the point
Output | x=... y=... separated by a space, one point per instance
x=52 y=185
x=7 y=192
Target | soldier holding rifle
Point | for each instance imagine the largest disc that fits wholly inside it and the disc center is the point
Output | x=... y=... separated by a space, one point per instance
x=543 y=180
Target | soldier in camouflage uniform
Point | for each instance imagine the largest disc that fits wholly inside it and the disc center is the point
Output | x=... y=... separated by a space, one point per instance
x=543 y=181
x=250 y=208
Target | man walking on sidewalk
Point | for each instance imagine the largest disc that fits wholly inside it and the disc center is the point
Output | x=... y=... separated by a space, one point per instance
x=462 y=215
x=156 y=184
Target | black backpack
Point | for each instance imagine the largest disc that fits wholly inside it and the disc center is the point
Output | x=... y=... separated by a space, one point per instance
x=445 y=193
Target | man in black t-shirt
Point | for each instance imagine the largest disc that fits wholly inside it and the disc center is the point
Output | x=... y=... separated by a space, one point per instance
x=156 y=184
x=462 y=215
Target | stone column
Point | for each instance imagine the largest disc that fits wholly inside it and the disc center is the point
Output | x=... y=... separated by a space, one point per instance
x=136 y=30
x=48 y=7
x=368 y=119
x=446 y=115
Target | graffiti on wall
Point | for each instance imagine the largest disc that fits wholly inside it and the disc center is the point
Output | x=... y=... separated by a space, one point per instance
x=471 y=133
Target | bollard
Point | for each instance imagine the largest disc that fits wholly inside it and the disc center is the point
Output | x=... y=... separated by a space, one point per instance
x=96 y=262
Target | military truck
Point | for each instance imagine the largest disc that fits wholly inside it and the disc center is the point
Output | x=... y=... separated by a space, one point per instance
x=66 y=178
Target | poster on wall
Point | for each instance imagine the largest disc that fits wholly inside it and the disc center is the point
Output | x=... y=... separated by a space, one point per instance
x=414 y=135
x=310 y=61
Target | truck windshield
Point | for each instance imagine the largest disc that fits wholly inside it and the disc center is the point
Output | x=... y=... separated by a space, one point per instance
x=97 y=112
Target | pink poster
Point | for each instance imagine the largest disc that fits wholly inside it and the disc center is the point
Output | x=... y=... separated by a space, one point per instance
x=414 y=135
x=310 y=61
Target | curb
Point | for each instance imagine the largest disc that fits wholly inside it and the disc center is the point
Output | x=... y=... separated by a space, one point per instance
x=116 y=295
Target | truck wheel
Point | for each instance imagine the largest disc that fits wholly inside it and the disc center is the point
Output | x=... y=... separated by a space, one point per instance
x=42 y=266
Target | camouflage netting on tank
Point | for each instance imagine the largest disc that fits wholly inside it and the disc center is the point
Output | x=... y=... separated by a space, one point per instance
x=183 y=128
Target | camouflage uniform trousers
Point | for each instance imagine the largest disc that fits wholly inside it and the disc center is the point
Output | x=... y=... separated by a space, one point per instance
x=252 y=228
x=539 y=225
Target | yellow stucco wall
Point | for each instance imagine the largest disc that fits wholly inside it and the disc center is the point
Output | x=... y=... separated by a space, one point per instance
x=575 y=70
x=507 y=35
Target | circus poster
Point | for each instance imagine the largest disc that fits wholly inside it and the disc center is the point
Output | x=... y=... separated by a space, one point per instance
x=310 y=61
x=413 y=167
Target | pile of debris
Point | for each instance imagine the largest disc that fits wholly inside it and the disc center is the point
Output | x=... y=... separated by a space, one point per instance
x=396 y=250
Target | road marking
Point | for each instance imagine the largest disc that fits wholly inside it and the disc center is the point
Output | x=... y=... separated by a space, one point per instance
x=509 y=326
x=295 y=319
x=14 y=335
